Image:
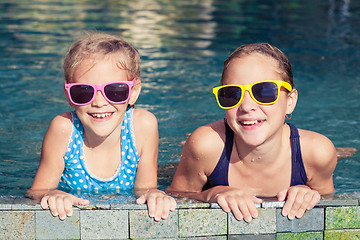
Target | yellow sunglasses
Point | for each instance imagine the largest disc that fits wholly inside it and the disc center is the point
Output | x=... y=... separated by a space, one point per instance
x=263 y=92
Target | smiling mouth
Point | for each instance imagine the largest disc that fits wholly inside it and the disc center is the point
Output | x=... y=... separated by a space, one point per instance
x=250 y=122
x=100 y=115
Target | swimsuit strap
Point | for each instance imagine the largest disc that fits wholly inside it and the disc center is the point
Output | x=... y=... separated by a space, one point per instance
x=228 y=150
x=229 y=140
x=298 y=174
x=219 y=177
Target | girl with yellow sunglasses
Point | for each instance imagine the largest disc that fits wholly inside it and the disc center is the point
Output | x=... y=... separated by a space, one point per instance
x=253 y=153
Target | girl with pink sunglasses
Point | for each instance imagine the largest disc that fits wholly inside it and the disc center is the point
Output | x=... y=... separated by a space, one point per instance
x=105 y=143
x=253 y=153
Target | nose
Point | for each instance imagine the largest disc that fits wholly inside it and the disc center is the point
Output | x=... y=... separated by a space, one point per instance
x=99 y=100
x=247 y=104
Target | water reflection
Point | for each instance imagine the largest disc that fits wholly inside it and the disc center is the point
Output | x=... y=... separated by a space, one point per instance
x=183 y=45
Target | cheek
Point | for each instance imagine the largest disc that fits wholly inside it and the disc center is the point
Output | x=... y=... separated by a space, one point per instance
x=120 y=107
x=276 y=111
x=231 y=113
x=79 y=109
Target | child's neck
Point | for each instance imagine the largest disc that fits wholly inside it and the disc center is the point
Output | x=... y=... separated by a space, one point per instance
x=92 y=142
x=265 y=153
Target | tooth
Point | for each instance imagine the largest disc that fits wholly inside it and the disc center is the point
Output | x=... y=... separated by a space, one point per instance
x=249 y=122
x=101 y=115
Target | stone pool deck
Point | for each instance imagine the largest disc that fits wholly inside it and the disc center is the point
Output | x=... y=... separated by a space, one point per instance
x=21 y=218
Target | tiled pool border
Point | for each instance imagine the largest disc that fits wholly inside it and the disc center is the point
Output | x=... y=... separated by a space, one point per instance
x=21 y=218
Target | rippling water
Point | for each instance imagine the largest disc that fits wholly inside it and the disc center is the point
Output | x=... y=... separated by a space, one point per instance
x=183 y=45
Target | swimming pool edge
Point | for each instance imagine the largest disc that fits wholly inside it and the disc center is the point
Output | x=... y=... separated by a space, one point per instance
x=22 y=218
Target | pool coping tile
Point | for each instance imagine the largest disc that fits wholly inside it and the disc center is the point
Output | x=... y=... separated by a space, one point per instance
x=49 y=227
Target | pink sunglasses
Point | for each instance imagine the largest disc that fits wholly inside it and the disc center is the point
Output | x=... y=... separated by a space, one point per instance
x=84 y=93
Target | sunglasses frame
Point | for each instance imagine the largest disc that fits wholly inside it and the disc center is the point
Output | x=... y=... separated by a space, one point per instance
x=244 y=88
x=100 y=88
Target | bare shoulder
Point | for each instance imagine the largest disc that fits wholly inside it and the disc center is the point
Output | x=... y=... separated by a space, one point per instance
x=208 y=136
x=61 y=125
x=317 y=150
x=145 y=127
x=57 y=137
x=205 y=144
x=199 y=157
x=144 y=120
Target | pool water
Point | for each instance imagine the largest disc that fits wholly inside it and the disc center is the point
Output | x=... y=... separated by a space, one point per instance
x=183 y=45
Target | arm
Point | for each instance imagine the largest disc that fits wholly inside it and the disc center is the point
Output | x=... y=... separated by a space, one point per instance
x=50 y=170
x=320 y=158
x=145 y=187
x=199 y=157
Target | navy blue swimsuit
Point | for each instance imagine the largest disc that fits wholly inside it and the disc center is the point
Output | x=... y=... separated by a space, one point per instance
x=219 y=177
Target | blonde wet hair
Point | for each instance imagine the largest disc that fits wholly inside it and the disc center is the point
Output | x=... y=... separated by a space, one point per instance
x=101 y=45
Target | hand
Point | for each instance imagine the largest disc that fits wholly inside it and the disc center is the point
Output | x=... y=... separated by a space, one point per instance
x=60 y=203
x=240 y=203
x=298 y=199
x=159 y=203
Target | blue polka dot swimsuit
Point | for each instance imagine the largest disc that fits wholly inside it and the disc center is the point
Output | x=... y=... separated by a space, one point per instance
x=76 y=175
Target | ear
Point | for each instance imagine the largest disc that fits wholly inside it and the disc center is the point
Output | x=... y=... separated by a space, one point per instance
x=291 y=101
x=135 y=92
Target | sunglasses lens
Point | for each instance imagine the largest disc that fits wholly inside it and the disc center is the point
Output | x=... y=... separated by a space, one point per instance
x=229 y=96
x=81 y=94
x=117 y=92
x=265 y=92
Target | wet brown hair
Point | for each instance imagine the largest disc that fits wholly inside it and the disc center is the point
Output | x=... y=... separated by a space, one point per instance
x=267 y=50
x=101 y=45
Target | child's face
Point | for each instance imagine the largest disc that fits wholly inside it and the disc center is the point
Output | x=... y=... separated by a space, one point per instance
x=100 y=118
x=252 y=122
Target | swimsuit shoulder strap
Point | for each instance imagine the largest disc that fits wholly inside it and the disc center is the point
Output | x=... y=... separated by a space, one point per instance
x=220 y=174
x=298 y=175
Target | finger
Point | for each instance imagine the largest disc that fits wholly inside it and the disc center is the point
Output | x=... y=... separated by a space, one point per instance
x=158 y=208
x=79 y=201
x=311 y=198
x=314 y=200
x=235 y=209
x=290 y=198
x=287 y=207
x=52 y=206
x=298 y=206
x=68 y=207
x=141 y=200
x=172 y=204
x=300 y=213
x=302 y=209
x=243 y=205
x=223 y=204
x=60 y=208
x=256 y=200
x=151 y=203
x=281 y=196
x=44 y=202
x=252 y=209
x=166 y=207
